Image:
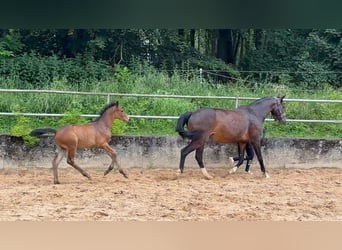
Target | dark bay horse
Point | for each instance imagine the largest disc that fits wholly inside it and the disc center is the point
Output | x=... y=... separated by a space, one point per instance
x=93 y=135
x=242 y=125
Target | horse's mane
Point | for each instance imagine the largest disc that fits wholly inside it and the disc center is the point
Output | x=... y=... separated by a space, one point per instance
x=248 y=106
x=106 y=108
x=260 y=100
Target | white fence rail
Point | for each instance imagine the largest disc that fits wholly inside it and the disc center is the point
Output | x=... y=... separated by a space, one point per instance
x=109 y=95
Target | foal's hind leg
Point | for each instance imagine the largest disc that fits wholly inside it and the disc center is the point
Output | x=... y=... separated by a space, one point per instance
x=112 y=153
x=71 y=161
x=59 y=156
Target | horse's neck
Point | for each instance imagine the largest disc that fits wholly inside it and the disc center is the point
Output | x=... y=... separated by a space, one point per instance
x=261 y=110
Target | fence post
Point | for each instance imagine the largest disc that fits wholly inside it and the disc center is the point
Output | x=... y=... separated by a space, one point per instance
x=236 y=102
x=201 y=73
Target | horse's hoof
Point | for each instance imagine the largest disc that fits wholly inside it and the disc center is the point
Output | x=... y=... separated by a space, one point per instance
x=230 y=162
x=209 y=177
x=233 y=170
x=267 y=175
x=205 y=174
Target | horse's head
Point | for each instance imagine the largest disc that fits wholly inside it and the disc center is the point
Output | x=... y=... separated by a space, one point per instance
x=119 y=113
x=278 y=110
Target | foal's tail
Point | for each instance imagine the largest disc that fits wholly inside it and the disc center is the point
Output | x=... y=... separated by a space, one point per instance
x=182 y=120
x=40 y=131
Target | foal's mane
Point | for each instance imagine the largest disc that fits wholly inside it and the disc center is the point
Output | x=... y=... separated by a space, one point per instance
x=106 y=108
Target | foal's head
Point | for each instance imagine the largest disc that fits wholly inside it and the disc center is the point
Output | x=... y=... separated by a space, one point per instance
x=278 y=110
x=113 y=111
x=119 y=113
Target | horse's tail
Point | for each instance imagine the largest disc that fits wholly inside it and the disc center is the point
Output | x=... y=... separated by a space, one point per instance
x=182 y=121
x=40 y=131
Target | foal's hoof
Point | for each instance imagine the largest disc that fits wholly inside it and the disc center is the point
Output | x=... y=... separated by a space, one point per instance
x=123 y=173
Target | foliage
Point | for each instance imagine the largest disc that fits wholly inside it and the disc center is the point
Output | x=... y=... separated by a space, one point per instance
x=34 y=71
x=145 y=79
x=72 y=117
x=91 y=55
x=22 y=127
x=119 y=127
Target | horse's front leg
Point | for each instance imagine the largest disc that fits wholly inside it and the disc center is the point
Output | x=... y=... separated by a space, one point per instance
x=257 y=150
x=241 y=151
x=112 y=153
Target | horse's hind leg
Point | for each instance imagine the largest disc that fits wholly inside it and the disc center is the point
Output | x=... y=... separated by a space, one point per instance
x=184 y=153
x=71 y=161
x=112 y=153
x=199 y=159
x=59 y=156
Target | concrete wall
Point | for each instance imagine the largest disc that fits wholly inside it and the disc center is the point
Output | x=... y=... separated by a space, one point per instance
x=137 y=151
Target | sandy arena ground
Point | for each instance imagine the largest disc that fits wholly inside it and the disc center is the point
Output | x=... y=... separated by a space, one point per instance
x=158 y=195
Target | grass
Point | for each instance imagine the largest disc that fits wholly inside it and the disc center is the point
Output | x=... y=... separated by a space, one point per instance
x=153 y=82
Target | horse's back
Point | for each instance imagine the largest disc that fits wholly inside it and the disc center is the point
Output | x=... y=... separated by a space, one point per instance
x=220 y=124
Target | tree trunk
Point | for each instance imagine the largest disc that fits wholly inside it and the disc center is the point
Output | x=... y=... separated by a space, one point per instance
x=192 y=38
x=259 y=38
x=225 y=49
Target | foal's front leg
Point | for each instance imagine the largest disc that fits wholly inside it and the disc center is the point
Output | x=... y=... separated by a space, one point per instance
x=111 y=152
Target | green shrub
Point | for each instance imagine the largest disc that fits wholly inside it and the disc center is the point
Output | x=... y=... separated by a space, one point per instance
x=22 y=129
x=72 y=118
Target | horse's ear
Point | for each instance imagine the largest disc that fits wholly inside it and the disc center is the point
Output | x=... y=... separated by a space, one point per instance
x=281 y=98
x=117 y=103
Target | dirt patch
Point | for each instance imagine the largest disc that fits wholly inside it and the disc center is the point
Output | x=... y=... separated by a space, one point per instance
x=159 y=195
